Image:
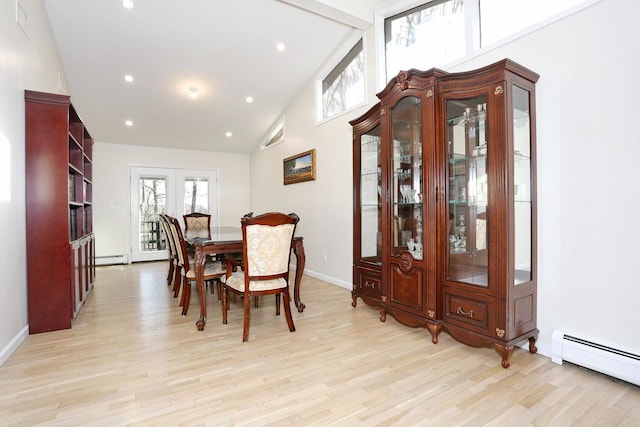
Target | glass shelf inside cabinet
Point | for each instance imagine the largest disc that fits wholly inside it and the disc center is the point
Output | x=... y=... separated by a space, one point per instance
x=467 y=195
x=522 y=205
x=370 y=197
x=407 y=183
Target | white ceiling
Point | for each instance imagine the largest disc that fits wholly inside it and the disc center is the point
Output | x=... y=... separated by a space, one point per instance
x=225 y=48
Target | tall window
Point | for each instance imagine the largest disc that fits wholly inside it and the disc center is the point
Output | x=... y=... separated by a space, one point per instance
x=196 y=195
x=152 y=202
x=442 y=31
x=343 y=88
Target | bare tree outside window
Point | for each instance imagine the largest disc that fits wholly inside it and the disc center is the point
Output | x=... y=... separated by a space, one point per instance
x=425 y=36
x=439 y=32
x=153 y=202
x=196 y=195
x=343 y=88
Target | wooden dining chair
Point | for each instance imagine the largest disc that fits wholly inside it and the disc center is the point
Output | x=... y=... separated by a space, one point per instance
x=173 y=259
x=213 y=270
x=197 y=224
x=266 y=248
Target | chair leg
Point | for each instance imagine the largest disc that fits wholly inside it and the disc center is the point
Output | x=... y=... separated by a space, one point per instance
x=277 y=304
x=186 y=293
x=170 y=274
x=287 y=309
x=183 y=294
x=247 y=311
x=225 y=304
x=177 y=280
x=219 y=290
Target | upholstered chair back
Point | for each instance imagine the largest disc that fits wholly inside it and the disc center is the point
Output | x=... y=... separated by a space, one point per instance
x=197 y=225
x=268 y=249
x=178 y=240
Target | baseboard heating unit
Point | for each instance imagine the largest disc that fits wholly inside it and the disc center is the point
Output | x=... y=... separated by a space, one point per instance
x=599 y=357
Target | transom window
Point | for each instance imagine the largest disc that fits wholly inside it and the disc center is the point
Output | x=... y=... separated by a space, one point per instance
x=434 y=33
x=442 y=31
x=343 y=88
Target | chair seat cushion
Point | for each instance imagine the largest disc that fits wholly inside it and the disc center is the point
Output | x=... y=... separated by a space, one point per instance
x=210 y=269
x=236 y=281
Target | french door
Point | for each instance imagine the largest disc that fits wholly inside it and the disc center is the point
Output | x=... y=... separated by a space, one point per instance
x=171 y=191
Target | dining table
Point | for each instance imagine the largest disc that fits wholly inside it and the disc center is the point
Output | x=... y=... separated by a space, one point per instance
x=226 y=240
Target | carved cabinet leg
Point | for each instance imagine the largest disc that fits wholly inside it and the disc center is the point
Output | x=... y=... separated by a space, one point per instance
x=532 y=345
x=383 y=314
x=435 y=330
x=504 y=352
x=354 y=300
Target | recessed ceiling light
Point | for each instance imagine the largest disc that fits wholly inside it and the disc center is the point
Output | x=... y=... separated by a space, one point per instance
x=128 y=123
x=193 y=92
x=249 y=99
x=128 y=78
x=280 y=46
x=127 y=4
x=228 y=134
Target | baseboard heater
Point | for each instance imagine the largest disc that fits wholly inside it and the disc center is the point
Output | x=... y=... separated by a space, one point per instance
x=111 y=259
x=599 y=357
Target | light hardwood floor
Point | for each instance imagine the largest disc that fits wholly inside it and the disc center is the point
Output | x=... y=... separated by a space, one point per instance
x=132 y=359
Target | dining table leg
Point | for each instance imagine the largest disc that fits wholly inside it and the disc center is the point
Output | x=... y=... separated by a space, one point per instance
x=199 y=261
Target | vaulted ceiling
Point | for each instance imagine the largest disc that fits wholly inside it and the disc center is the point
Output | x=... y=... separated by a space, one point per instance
x=226 y=50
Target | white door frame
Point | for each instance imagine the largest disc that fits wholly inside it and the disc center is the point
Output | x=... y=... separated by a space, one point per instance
x=174 y=205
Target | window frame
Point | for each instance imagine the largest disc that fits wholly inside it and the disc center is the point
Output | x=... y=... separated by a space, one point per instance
x=270 y=141
x=379 y=30
x=336 y=60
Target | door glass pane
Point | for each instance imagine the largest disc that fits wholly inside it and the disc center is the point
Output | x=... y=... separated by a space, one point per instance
x=370 y=197
x=468 y=191
x=406 y=194
x=196 y=195
x=522 y=185
x=152 y=202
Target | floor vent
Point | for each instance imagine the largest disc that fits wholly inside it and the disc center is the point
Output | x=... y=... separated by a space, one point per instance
x=599 y=357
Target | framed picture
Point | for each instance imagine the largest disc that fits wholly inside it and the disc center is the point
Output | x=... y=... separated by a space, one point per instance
x=300 y=168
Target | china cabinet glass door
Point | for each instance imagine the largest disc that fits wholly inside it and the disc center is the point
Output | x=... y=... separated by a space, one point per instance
x=407 y=182
x=468 y=191
x=370 y=197
x=522 y=185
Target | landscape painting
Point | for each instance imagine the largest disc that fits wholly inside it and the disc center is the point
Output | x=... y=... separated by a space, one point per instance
x=300 y=168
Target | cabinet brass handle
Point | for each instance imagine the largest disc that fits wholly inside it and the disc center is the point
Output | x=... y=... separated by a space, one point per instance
x=469 y=313
x=368 y=284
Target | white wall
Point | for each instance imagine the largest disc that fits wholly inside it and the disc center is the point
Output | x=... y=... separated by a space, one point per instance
x=111 y=164
x=588 y=146
x=325 y=205
x=25 y=63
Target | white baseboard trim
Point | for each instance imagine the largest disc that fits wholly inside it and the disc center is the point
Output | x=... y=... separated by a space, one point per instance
x=329 y=279
x=110 y=260
x=13 y=345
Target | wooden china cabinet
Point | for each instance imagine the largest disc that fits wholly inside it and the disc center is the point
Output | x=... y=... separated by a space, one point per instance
x=444 y=204
x=59 y=212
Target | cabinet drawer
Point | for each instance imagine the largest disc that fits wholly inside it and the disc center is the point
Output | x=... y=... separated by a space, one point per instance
x=368 y=282
x=469 y=310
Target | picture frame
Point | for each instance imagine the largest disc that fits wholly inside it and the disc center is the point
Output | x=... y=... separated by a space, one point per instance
x=299 y=168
